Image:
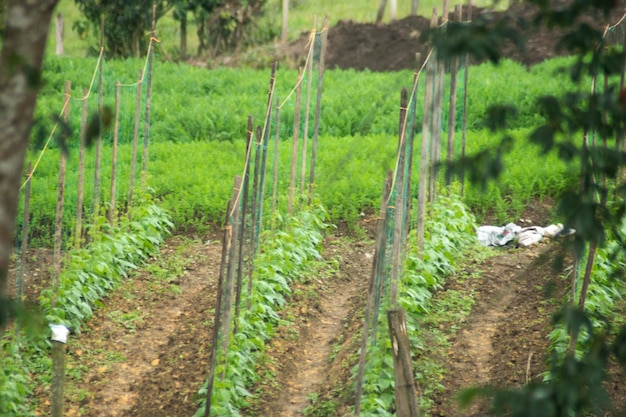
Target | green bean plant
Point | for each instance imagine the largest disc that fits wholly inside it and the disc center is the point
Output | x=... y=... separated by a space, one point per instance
x=283 y=259
x=450 y=228
x=88 y=275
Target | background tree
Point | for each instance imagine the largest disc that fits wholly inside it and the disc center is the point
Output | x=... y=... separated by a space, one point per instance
x=26 y=29
x=126 y=23
x=226 y=25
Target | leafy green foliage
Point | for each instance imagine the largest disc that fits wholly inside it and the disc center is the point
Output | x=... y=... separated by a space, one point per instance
x=87 y=277
x=449 y=229
x=125 y=24
x=284 y=257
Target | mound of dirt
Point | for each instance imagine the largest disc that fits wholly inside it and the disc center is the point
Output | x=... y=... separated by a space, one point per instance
x=392 y=47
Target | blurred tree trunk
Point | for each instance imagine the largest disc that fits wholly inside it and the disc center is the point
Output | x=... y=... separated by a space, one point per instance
x=414 y=7
x=381 y=11
x=183 y=35
x=393 y=10
x=24 y=43
x=283 y=34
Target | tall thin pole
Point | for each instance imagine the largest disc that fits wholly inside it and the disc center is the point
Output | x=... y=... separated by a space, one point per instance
x=371 y=294
x=318 y=104
x=98 y=156
x=454 y=70
x=424 y=153
x=146 y=130
x=133 y=157
x=294 y=147
x=116 y=133
x=58 y=349
x=464 y=112
x=20 y=287
x=80 y=188
x=307 y=110
x=275 y=166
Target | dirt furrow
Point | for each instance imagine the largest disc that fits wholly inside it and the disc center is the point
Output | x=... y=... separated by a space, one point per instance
x=303 y=351
x=123 y=346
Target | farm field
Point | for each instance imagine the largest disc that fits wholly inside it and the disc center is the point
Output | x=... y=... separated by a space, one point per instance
x=142 y=287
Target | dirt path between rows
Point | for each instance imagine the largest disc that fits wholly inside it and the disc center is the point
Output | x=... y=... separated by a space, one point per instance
x=309 y=367
x=322 y=308
x=503 y=342
x=113 y=363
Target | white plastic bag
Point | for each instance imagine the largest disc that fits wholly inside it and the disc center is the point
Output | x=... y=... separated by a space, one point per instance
x=497 y=236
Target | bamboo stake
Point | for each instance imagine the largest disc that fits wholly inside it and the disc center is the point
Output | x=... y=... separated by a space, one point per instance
x=464 y=112
x=454 y=70
x=20 y=287
x=382 y=262
x=233 y=233
x=116 y=129
x=371 y=292
x=146 y=129
x=294 y=148
x=218 y=316
x=399 y=205
x=318 y=104
x=410 y=150
x=242 y=228
x=275 y=166
x=424 y=153
x=98 y=156
x=266 y=134
x=305 y=134
x=80 y=187
x=435 y=144
x=253 y=211
x=58 y=234
x=133 y=158
x=406 y=401
x=58 y=349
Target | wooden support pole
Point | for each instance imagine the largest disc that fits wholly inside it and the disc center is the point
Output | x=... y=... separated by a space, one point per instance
x=294 y=147
x=253 y=211
x=58 y=233
x=454 y=70
x=437 y=115
x=116 y=134
x=383 y=261
x=58 y=379
x=22 y=276
x=381 y=11
x=242 y=224
x=80 y=187
x=318 y=103
x=98 y=153
x=266 y=135
x=285 y=22
x=425 y=148
x=371 y=292
x=406 y=400
x=411 y=143
x=464 y=109
x=398 y=226
x=275 y=165
x=146 y=129
x=233 y=233
x=307 y=111
x=133 y=157
x=217 y=323
x=60 y=29
x=58 y=349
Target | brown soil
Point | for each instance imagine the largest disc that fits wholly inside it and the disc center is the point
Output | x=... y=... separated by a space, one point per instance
x=392 y=47
x=146 y=351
